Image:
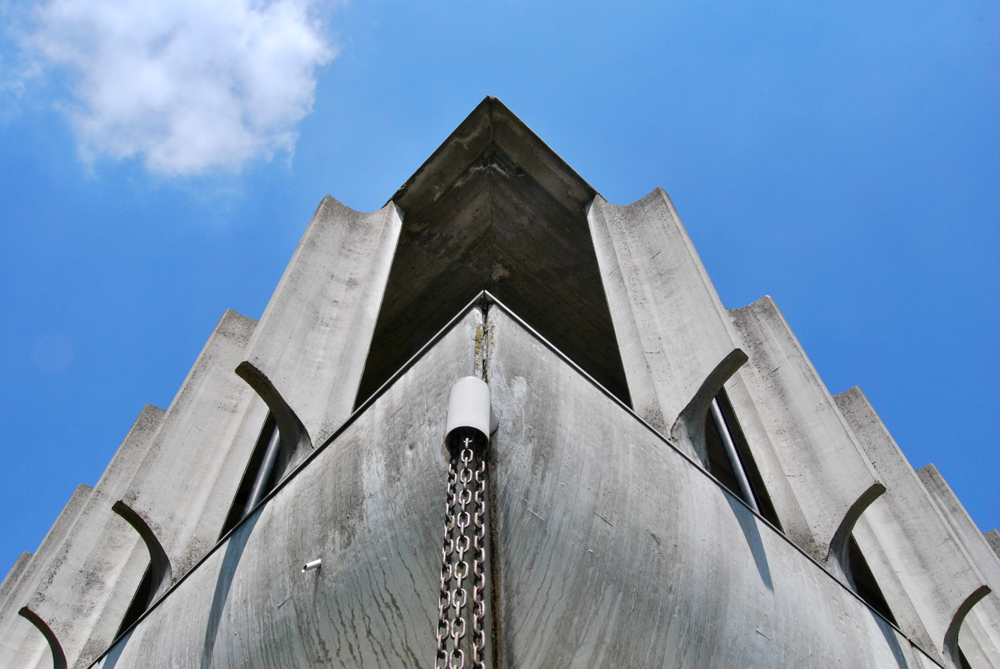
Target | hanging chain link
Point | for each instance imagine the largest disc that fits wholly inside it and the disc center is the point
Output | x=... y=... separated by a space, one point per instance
x=464 y=533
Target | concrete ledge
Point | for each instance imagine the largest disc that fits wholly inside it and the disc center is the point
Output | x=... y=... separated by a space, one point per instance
x=816 y=452
x=313 y=338
x=677 y=344
x=186 y=483
x=928 y=579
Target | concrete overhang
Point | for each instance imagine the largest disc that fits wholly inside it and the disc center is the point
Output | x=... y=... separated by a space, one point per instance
x=495 y=209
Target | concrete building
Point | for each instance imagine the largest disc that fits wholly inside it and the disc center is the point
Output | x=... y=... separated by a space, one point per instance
x=505 y=423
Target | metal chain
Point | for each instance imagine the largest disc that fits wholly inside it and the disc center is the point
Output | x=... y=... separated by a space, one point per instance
x=464 y=532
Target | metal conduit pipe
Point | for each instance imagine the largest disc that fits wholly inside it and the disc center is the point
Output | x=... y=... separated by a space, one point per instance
x=264 y=474
x=734 y=458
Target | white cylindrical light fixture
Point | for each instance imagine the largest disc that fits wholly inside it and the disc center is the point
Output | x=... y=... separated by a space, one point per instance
x=469 y=407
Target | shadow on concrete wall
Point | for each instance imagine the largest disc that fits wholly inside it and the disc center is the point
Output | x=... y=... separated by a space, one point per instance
x=231 y=560
x=111 y=660
x=890 y=639
x=752 y=533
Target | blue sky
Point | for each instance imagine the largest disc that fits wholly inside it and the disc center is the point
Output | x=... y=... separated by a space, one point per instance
x=159 y=161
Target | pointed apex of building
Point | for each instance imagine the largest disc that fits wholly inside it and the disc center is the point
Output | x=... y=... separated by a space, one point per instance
x=491 y=130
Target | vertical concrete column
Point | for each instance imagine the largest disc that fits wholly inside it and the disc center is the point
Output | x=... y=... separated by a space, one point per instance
x=677 y=344
x=820 y=460
x=308 y=353
x=97 y=568
x=928 y=579
x=980 y=634
x=186 y=483
x=20 y=642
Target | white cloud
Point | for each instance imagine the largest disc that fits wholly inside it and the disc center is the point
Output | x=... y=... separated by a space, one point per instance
x=189 y=85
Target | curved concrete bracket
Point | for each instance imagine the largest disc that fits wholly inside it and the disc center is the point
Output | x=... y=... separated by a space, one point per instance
x=690 y=424
x=294 y=436
x=837 y=554
x=950 y=648
x=160 y=563
x=928 y=579
x=58 y=656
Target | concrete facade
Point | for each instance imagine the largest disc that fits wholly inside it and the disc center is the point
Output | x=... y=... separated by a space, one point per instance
x=611 y=538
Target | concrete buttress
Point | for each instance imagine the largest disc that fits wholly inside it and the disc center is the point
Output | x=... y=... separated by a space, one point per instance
x=90 y=584
x=677 y=345
x=928 y=579
x=308 y=352
x=186 y=483
x=979 y=637
x=21 y=644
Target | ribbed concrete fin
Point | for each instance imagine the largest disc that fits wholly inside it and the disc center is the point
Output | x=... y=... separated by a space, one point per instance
x=961 y=524
x=159 y=561
x=651 y=274
x=133 y=449
x=232 y=326
x=308 y=353
x=58 y=656
x=916 y=545
x=191 y=470
x=834 y=479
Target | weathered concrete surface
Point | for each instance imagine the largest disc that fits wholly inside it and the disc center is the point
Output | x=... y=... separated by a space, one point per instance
x=21 y=645
x=993 y=539
x=928 y=579
x=616 y=551
x=979 y=637
x=88 y=587
x=371 y=506
x=12 y=577
x=818 y=456
x=677 y=344
x=185 y=485
x=308 y=352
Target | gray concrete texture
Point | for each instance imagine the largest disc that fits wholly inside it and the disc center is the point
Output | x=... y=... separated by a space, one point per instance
x=927 y=577
x=371 y=506
x=818 y=458
x=993 y=539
